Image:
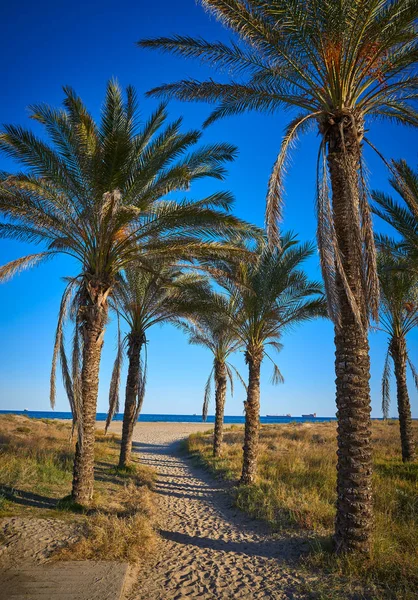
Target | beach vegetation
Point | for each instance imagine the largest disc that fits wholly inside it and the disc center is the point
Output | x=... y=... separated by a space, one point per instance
x=294 y=492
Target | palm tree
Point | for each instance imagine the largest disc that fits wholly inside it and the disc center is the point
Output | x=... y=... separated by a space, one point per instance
x=398 y=316
x=338 y=65
x=210 y=325
x=270 y=295
x=143 y=299
x=404 y=218
x=95 y=193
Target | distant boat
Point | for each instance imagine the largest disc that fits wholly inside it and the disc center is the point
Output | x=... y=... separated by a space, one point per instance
x=311 y=416
x=276 y=415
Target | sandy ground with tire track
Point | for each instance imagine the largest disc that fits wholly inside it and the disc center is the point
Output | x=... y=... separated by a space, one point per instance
x=208 y=549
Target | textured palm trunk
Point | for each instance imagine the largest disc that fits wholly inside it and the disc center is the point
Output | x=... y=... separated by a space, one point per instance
x=131 y=397
x=220 y=397
x=399 y=355
x=93 y=326
x=354 y=518
x=253 y=358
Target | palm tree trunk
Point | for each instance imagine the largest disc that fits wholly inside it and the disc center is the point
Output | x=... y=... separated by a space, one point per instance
x=253 y=358
x=131 y=396
x=354 y=517
x=220 y=397
x=399 y=355
x=94 y=320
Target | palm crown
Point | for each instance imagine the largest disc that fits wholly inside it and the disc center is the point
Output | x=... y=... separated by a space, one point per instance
x=210 y=324
x=144 y=298
x=95 y=194
x=319 y=57
x=336 y=64
x=271 y=294
x=95 y=191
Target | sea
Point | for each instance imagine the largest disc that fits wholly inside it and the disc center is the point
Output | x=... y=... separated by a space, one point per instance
x=156 y=418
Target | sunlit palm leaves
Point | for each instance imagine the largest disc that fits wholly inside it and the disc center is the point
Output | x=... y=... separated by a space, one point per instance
x=94 y=192
x=402 y=217
x=272 y=294
x=210 y=324
x=143 y=299
x=346 y=62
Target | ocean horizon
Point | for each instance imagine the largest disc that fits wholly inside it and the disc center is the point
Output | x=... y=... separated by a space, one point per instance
x=164 y=418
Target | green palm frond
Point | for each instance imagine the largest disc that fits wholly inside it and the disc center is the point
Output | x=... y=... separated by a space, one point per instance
x=326 y=62
x=399 y=294
x=263 y=298
x=398 y=309
x=100 y=193
x=402 y=217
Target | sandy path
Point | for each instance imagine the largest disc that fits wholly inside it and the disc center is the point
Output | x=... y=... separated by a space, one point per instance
x=209 y=550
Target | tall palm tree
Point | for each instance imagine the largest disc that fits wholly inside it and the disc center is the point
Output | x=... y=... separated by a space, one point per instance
x=403 y=217
x=270 y=295
x=337 y=65
x=95 y=193
x=210 y=325
x=143 y=299
x=398 y=316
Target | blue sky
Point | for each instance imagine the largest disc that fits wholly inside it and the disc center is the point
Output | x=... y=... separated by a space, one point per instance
x=48 y=44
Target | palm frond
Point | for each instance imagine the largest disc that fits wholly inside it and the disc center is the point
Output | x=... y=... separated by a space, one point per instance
x=238 y=375
x=413 y=371
x=59 y=344
x=115 y=381
x=207 y=397
x=13 y=267
x=386 y=385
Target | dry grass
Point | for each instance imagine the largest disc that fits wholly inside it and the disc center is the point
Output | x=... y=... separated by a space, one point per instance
x=36 y=458
x=296 y=489
x=122 y=530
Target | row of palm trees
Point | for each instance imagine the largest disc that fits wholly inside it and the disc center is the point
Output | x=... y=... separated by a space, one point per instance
x=95 y=193
x=261 y=297
x=339 y=66
x=98 y=192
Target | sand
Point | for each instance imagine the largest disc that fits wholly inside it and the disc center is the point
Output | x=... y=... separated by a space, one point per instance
x=208 y=548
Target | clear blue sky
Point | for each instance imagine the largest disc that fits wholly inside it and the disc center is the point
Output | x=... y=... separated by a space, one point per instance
x=48 y=44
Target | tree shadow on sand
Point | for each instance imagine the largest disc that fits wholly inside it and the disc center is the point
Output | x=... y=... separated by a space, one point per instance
x=290 y=547
x=27 y=498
